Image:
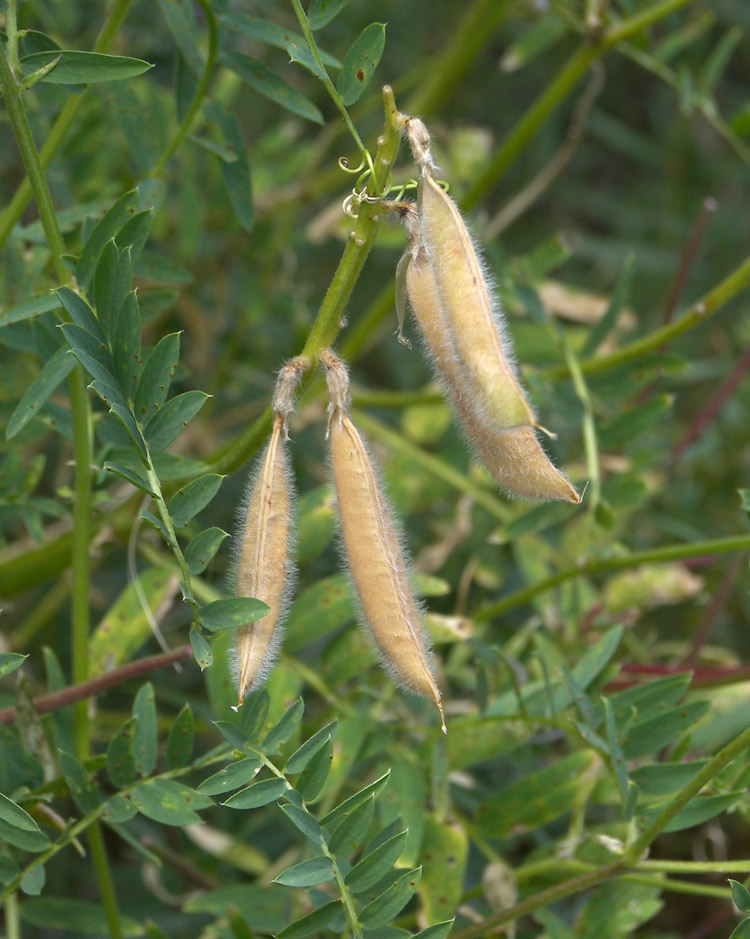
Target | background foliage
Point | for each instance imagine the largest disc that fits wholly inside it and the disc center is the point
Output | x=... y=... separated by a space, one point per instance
x=590 y=657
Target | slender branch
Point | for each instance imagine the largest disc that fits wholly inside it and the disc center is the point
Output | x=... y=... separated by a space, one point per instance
x=677 y=552
x=705 y=418
x=59 y=130
x=94 y=686
x=544 y=897
x=701 y=311
x=710 y=771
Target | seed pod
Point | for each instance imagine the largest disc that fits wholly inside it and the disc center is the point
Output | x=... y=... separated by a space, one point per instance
x=265 y=567
x=372 y=546
x=472 y=314
x=514 y=457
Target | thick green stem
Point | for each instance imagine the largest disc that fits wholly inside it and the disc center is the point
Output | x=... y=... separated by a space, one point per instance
x=556 y=92
x=704 y=309
x=199 y=95
x=677 y=552
x=82 y=446
x=104 y=879
x=59 y=130
x=328 y=321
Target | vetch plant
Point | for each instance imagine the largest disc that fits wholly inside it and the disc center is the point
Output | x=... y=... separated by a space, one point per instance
x=177 y=223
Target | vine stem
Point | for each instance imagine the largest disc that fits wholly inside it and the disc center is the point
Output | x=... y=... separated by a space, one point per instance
x=64 y=121
x=558 y=89
x=82 y=449
x=675 y=552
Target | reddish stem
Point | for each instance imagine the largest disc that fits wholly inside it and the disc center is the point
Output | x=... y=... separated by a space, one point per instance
x=88 y=689
x=707 y=415
x=717 y=604
x=702 y=674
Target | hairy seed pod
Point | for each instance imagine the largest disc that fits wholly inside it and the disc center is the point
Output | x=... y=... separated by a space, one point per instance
x=472 y=314
x=373 y=550
x=265 y=569
x=514 y=457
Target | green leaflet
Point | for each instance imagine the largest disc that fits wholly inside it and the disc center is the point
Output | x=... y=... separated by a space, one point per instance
x=257 y=794
x=271 y=85
x=193 y=498
x=232 y=613
x=445 y=849
x=534 y=800
x=306 y=874
x=231 y=777
x=168 y=423
x=145 y=738
x=390 y=903
x=180 y=739
x=169 y=802
x=76 y=68
x=54 y=371
x=360 y=63
x=125 y=627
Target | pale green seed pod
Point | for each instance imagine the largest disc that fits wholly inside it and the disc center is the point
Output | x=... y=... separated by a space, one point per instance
x=472 y=314
x=515 y=457
x=265 y=568
x=373 y=550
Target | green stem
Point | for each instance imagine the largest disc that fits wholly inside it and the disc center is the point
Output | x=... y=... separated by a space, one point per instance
x=82 y=448
x=701 y=311
x=455 y=478
x=715 y=765
x=677 y=552
x=696 y=867
x=166 y=519
x=98 y=853
x=59 y=130
x=545 y=897
x=199 y=95
x=323 y=75
x=11 y=32
x=590 y=443
x=556 y=92
x=328 y=321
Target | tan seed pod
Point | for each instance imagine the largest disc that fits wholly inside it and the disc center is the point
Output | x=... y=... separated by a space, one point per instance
x=514 y=457
x=373 y=550
x=472 y=314
x=264 y=570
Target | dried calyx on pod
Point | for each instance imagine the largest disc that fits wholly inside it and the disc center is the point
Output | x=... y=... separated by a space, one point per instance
x=373 y=549
x=456 y=318
x=265 y=568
